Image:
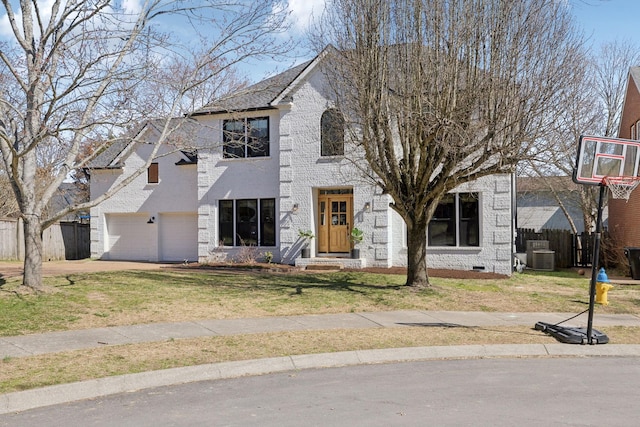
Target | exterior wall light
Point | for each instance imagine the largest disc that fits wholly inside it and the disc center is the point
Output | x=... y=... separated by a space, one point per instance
x=367 y=207
x=151 y=220
x=295 y=208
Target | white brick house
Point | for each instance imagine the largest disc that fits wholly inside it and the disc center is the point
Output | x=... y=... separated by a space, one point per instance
x=290 y=177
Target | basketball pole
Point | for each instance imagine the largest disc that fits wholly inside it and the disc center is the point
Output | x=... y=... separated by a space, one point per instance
x=594 y=264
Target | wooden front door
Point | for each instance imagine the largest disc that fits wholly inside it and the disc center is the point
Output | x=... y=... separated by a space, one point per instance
x=334 y=222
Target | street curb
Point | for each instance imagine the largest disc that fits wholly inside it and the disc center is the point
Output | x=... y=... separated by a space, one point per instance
x=65 y=393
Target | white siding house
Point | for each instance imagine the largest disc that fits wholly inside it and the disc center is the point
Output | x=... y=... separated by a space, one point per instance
x=288 y=178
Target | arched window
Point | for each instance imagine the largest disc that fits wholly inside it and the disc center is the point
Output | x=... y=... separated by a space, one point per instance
x=332 y=133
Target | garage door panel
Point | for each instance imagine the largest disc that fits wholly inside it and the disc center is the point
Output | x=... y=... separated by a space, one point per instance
x=128 y=237
x=178 y=237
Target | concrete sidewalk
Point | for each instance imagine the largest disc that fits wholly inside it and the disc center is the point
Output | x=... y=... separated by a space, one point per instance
x=27 y=345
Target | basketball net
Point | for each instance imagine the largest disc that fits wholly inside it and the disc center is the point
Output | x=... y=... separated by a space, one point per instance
x=621 y=187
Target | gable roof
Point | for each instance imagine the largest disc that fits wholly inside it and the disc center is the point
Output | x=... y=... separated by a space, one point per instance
x=111 y=157
x=257 y=96
x=190 y=157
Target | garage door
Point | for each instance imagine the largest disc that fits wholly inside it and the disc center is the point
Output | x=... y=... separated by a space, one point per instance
x=129 y=237
x=178 y=237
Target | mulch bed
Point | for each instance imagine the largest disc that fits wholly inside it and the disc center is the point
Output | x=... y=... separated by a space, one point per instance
x=284 y=268
x=439 y=272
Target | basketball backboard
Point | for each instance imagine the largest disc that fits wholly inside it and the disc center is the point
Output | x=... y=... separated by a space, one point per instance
x=600 y=157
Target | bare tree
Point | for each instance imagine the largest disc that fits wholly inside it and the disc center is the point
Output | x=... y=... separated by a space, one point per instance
x=612 y=64
x=443 y=92
x=8 y=205
x=590 y=104
x=90 y=70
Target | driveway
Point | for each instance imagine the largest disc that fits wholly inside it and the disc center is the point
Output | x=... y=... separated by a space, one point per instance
x=52 y=268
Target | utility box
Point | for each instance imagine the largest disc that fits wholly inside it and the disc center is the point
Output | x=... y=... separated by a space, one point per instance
x=544 y=260
x=535 y=245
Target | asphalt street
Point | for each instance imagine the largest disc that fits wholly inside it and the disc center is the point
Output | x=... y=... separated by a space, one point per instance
x=474 y=392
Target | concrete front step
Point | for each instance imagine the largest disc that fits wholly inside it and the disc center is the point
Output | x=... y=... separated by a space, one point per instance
x=323 y=267
x=322 y=263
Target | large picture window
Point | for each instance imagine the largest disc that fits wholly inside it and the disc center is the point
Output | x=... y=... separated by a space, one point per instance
x=455 y=221
x=332 y=133
x=248 y=137
x=247 y=222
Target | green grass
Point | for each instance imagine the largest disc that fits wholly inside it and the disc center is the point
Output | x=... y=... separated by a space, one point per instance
x=119 y=298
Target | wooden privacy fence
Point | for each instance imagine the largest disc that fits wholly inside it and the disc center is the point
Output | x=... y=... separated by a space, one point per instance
x=562 y=242
x=64 y=240
x=584 y=256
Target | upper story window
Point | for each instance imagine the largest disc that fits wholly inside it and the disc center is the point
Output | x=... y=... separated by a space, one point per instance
x=455 y=221
x=332 y=133
x=248 y=137
x=153 y=176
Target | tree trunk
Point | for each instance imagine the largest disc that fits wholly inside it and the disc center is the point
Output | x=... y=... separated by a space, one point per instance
x=32 y=252
x=417 y=275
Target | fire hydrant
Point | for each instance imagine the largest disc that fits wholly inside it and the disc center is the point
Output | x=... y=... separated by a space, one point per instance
x=602 y=287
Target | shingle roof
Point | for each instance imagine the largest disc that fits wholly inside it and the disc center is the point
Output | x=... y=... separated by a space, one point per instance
x=191 y=157
x=107 y=156
x=257 y=96
x=185 y=132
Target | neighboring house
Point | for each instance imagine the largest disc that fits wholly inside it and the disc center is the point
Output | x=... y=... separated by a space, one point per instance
x=624 y=221
x=538 y=208
x=69 y=194
x=273 y=160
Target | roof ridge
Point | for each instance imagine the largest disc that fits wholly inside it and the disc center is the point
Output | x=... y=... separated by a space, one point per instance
x=258 y=95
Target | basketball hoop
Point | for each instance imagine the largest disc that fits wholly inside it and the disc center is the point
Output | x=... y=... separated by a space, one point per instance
x=618 y=161
x=621 y=186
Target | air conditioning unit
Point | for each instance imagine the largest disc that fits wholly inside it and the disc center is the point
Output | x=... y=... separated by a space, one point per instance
x=535 y=245
x=544 y=260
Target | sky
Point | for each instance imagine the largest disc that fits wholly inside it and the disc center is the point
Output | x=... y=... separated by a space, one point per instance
x=601 y=20
x=608 y=20
x=301 y=14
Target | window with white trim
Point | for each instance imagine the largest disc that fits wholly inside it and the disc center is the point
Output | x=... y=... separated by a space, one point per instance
x=248 y=137
x=247 y=222
x=455 y=221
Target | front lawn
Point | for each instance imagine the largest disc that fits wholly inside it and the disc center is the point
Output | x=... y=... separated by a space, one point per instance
x=84 y=301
